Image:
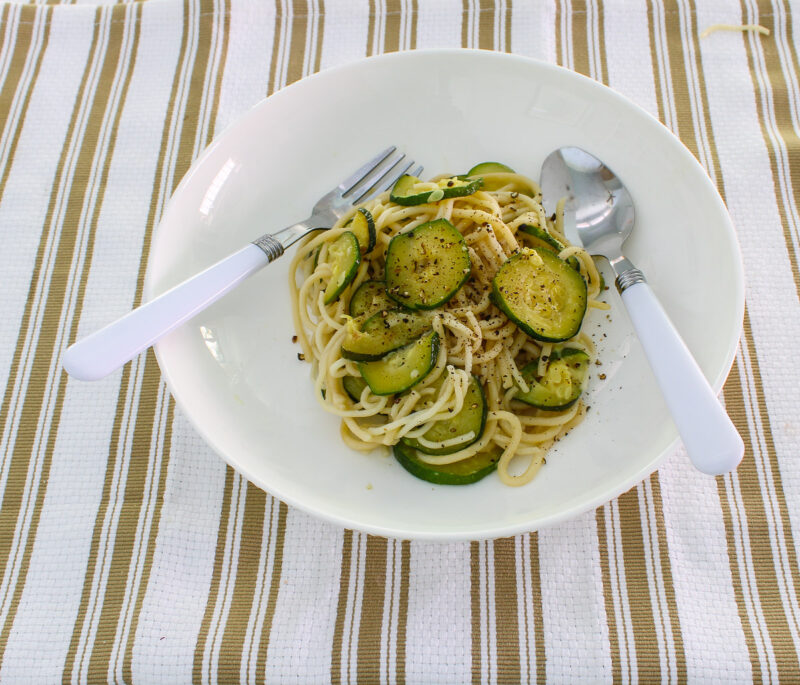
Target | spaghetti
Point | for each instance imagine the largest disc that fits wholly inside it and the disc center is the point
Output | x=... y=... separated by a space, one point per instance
x=476 y=338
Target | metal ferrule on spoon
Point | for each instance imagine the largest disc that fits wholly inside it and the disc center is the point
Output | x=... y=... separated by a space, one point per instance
x=604 y=218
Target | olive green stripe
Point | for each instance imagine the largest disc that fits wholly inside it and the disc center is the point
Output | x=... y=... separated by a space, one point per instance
x=603 y=535
x=341 y=607
x=475 y=606
x=402 y=612
x=506 y=574
x=465 y=10
x=274 y=587
x=8 y=94
x=247 y=566
x=227 y=520
x=601 y=33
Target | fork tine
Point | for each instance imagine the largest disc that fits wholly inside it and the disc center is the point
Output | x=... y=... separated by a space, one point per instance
x=386 y=180
x=418 y=171
x=352 y=181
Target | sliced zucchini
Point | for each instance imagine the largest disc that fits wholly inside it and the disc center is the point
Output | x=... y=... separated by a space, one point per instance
x=363 y=226
x=344 y=256
x=369 y=298
x=403 y=368
x=380 y=334
x=541 y=238
x=471 y=418
x=562 y=383
x=426 y=266
x=353 y=386
x=490 y=168
x=463 y=472
x=542 y=294
x=404 y=192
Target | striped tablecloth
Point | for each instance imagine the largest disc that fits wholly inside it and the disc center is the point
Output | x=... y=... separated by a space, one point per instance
x=129 y=552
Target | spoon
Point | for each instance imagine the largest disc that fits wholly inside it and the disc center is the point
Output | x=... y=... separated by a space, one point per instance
x=604 y=218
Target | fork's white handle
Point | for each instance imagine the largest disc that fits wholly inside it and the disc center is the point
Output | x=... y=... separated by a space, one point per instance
x=106 y=350
x=710 y=438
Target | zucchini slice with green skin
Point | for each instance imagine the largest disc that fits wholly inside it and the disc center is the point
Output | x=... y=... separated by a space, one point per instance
x=363 y=226
x=541 y=238
x=562 y=383
x=353 y=386
x=542 y=294
x=344 y=256
x=426 y=266
x=381 y=334
x=490 y=168
x=403 y=368
x=463 y=472
x=403 y=192
x=471 y=418
x=369 y=298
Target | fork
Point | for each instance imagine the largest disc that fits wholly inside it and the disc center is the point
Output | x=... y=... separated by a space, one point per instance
x=106 y=350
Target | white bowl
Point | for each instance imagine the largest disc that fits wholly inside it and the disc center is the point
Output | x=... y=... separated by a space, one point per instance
x=234 y=371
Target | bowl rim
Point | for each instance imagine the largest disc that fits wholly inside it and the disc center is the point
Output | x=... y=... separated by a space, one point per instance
x=493 y=531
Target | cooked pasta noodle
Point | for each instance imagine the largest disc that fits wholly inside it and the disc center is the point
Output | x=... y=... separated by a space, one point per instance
x=475 y=336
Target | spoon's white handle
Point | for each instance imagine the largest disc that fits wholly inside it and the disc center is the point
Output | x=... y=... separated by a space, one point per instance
x=109 y=348
x=710 y=438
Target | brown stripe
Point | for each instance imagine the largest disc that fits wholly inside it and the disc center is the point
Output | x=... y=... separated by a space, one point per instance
x=127 y=673
x=38 y=385
x=372 y=27
x=561 y=58
x=505 y=602
x=580 y=38
x=369 y=633
x=734 y=405
x=274 y=587
x=19 y=58
x=280 y=22
x=666 y=574
x=233 y=631
x=607 y=568
x=601 y=34
x=648 y=658
x=341 y=608
x=118 y=436
x=297 y=33
x=134 y=498
x=394 y=21
x=412 y=44
x=225 y=16
x=537 y=609
x=767 y=566
x=475 y=605
x=486 y=12
x=231 y=501
x=780 y=101
x=776 y=614
x=402 y=611
x=167 y=441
